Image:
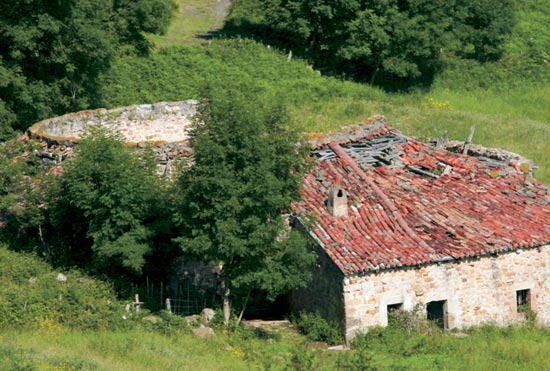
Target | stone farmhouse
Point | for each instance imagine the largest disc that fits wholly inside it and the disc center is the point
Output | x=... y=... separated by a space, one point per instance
x=399 y=224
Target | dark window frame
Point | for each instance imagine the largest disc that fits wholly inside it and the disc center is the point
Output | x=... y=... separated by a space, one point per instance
x=523 y=299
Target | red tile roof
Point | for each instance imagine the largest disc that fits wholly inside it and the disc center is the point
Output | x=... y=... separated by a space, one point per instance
x=411 y=204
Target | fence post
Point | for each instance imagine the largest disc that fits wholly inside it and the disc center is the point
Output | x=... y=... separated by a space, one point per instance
x=137 y=303
x=168 y=306
x=161 y=292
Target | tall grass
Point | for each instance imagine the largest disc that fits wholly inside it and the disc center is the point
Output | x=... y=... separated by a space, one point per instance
x=56 y=348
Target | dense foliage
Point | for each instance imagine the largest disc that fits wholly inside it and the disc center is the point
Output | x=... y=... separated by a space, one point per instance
x=51 y=52
x=317 y=328
x=22 y=172
x=378 y=41
x=247 y=170
x=108 y=210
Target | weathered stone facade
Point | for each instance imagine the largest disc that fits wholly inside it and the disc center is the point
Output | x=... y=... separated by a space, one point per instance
x=165 y=125
x=475 y=291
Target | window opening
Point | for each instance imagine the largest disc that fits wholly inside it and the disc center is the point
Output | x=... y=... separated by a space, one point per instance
x=393 y=313
x=523 y=299
x=437 y=313
x=395 y=307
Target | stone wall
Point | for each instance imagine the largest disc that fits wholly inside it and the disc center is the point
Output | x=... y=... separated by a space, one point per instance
x=158 y=123
x=476 y=291
x=324 y=293
x=164 y=125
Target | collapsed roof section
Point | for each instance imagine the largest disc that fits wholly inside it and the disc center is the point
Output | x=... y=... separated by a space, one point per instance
x=409 y=204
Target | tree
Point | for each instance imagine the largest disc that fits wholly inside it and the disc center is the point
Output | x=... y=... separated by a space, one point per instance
x=384 y=40
x=247 y=169
x=51 y=52
x=104 y=210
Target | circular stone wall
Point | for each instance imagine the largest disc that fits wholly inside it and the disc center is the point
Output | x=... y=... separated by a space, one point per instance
x=165 y=122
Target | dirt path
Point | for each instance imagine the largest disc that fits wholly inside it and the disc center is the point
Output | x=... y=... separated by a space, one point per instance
x=222 y=8
x=195 y=20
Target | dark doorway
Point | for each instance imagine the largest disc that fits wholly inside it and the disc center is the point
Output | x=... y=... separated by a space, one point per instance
x=436 y=312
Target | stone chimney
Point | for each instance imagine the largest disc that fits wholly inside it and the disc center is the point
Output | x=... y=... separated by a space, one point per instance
x=337 y=202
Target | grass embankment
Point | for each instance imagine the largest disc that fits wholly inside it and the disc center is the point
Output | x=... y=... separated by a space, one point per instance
x=130 y=350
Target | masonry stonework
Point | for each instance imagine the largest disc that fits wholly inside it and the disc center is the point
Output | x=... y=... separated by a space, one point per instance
x=476 y=291
x=324 y=292
x=165 y=122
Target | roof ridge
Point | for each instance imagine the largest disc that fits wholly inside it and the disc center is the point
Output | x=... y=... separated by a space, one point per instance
x=385 y=200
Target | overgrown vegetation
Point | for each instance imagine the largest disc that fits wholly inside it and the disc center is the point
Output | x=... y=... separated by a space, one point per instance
x=56 y=347
x=108 y=210
x=32 y=295
x=393 y=43
x=248 y=168
x=317 y=328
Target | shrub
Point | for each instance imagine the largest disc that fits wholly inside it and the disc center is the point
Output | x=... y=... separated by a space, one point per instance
x=317 y=328
x=407 y=333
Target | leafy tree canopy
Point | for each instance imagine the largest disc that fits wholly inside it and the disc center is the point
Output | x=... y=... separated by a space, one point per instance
x=247 y=170
x=105 y=210
x=379 y=40
x=51 y=52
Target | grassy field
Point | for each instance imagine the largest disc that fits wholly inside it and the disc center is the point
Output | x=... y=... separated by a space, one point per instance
x=193 y=20
x=55 y=348
x=41 y=337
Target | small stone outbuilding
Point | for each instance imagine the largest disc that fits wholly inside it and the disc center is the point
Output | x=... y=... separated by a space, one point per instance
x=399 y=224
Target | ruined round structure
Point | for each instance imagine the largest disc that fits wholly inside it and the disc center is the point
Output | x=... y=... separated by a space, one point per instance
x=159 y=123
x=165 y=125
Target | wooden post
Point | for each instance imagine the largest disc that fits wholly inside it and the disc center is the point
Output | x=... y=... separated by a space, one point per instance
x=442 y=141
x=244 y=308
x=469 y=141
x=161 y=292
x=168 y=305
x=137 y=303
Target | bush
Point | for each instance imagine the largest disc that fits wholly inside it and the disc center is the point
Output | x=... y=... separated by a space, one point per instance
x=407 y=333
x=317 y=328
x=31 y=295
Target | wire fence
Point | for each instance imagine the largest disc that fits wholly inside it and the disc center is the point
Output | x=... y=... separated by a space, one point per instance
x=182 y=298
